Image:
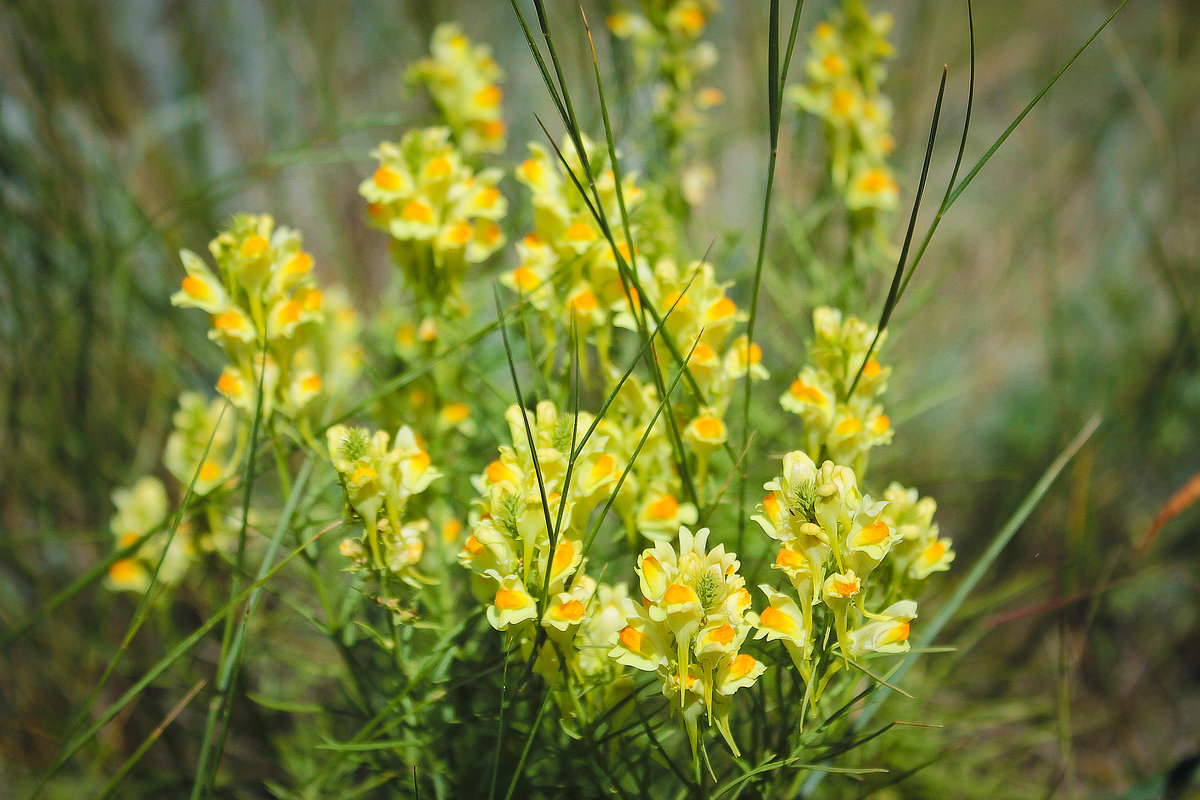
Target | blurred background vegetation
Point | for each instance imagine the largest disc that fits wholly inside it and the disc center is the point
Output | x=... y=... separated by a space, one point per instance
x=1064 y=282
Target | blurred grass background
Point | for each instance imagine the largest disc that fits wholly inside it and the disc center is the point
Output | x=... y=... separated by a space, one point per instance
x=1064 y=282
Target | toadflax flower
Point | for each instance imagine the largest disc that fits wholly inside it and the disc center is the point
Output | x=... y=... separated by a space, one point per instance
x=690 y=629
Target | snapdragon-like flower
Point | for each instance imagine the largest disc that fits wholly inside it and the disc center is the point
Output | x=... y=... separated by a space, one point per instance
x=838 y=424
x=843 y=76
x=525 y=550
x=266 y=312
x=511 y=539
x=441 y=214
x=199 y=446
x=380 y=476
x=690 y=628
x=838 y=551
x=139 y=509
x=462 y=79
x=671 y=57
x=921 y=551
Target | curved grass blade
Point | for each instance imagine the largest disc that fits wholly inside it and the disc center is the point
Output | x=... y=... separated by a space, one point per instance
x=776 y=79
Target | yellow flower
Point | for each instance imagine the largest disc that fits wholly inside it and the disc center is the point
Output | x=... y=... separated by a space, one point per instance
x=886 y=635
x=461 y=78
x=511 y=605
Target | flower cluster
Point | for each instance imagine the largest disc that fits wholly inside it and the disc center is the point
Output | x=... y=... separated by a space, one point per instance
x=266 y=311
x=920 y=551
x=670 y=56
x=700 y=318
x=689 y=630
x=527 y=539
x=461 y=78
x=440 y=213
x=832 y=541
x=566 y=266
x=650 y=501
x=844 y=74
x=379 y=481
x=201 y=453
x=141 y=509
x=840 y=424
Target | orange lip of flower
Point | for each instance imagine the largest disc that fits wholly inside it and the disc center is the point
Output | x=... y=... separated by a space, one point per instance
x=461 y=233
x=532 y=170
x=881 y=424
x=899 y=633
x=439 y=167
x=253 y=246
x=846 y=587
x=290 y=311
x=572 y=610
x=771 y=505
x=934 y=552
x=751 y=354
x=632 y=639
x=363 y=473
x=580 y=232
x=842 y=102
x=665 y=507
x=676 y=300
x=679 y=594
x=742 y=666
x=603 y=467
x=488 y=197
x=489 y=96
x=585 y=301
x=848 y=426
x=875 y=180
x=298 y=264
x=564 y=556
x=874 y=533
x=209 y=472
x=790 y=559
x=509 y=599
x=702 y=353
x=525 y=278
x=472 y=547
x=497 y=472
x=228 y=321
x=416 y=211
x=195 y=288
x=387 y=179
x=228 y=384
x=721 y=309
x=722 y=635
x=651 y=569
x=455 y=413
x=709 y=427
x=123 y=570
x=692 y=20
x=773 y=618
x=802 y=391
x=493 y=129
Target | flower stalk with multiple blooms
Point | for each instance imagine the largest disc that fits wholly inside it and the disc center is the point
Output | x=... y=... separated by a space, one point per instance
x=591 y=547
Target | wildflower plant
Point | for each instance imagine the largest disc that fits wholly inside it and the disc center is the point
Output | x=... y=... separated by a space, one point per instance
x=566 y=554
